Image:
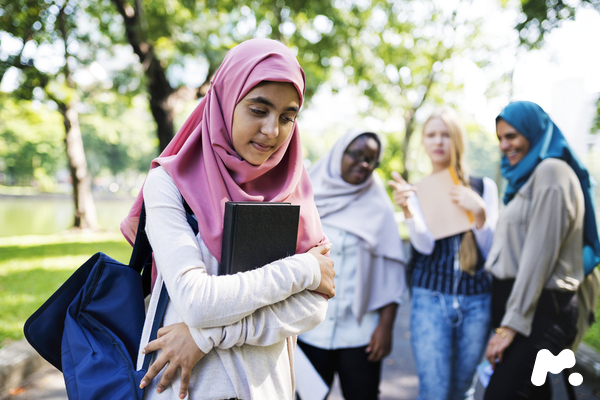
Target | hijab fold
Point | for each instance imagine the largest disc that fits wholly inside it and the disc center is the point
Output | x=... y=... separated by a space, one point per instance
x=365 y=210
x=207 y=170
x=547 y=141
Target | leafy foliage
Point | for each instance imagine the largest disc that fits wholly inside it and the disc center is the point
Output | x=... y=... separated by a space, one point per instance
x=541 y=16
x=31 y=145
x=596 y=123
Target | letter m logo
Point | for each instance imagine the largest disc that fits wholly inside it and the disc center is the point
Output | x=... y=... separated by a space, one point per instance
x=545 y=362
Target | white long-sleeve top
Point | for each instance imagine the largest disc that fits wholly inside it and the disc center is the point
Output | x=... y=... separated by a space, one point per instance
x=245 y=323
x=422 y=239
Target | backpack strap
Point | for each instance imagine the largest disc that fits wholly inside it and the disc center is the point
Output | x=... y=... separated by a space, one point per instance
x=163 y=298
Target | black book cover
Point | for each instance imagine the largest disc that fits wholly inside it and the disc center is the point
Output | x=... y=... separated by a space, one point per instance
x=256 y=234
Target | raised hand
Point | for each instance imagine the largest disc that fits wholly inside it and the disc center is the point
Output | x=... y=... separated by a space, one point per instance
x=402 y=191
x=326 y=286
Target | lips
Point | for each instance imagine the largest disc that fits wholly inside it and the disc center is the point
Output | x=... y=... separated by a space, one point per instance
x=262 y=147
x=512 y=154
x=359 y=173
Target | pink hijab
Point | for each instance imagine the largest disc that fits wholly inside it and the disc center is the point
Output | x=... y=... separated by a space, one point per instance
x=206 y=169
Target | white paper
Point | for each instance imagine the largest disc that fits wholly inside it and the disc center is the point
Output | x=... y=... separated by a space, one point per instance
x=309 y=384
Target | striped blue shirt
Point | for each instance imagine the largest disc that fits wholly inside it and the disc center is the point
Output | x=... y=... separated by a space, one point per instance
x=436 y=270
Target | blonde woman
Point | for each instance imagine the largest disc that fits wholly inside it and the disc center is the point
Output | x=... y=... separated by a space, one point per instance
x=451 y=292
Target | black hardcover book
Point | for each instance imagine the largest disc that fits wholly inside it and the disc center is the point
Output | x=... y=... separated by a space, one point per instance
x=256 y=234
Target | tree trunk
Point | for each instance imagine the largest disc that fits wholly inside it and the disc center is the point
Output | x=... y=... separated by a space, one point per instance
x=409 y=119
x=159 y=88
x=85 y=210
x=160 y=91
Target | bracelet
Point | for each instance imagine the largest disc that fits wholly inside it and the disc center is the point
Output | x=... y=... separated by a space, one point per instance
x=502 y=333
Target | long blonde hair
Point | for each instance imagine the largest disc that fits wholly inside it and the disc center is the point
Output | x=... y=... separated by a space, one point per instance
x=467 y=254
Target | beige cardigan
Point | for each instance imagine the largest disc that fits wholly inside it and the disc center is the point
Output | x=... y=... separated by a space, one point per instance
x=539 y=240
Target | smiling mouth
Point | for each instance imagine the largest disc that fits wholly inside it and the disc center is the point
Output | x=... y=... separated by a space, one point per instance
x=359 y=173
x=511 y=154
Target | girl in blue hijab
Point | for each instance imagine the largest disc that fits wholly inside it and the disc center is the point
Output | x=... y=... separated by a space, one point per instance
x=547 y=141
x=545 y=237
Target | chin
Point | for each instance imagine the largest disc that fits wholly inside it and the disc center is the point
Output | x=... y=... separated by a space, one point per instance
x=255 y=159
x=440 y=158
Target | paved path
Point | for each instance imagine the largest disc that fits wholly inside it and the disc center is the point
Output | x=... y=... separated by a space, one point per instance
x=399 y=381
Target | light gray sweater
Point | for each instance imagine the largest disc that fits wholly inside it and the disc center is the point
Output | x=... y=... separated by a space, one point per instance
x=245 y=323
x=539 y=240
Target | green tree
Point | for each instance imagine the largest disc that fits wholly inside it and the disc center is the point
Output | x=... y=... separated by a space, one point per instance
x=118 y=136
x=181 y=39
x=539 y=17
x=51 y=26
x=401 y=54
x=31 y=146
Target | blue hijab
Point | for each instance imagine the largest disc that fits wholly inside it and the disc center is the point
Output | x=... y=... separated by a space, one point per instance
x=547 y=141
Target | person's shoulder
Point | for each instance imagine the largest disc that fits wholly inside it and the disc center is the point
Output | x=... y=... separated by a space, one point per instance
x=158 y=181
x=552 y=169
x=554 y=172
x=488 y=183
x=158 y=175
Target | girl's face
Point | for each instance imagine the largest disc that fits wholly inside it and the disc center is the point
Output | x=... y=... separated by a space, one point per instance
x=437 y=142
x=360 y=159
x=263 y=120
x=514 y=145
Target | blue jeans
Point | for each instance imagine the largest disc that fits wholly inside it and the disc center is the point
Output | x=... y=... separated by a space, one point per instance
x=448 y=340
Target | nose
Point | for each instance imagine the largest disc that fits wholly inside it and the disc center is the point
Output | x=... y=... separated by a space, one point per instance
x=271 y=127
x=504 y=145
x=363 y=164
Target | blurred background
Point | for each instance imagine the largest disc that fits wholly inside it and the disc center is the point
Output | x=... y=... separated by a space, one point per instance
x=92 y=90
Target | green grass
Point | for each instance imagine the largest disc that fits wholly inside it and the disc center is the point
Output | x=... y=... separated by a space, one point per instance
x=592 y=336
x=33 y=267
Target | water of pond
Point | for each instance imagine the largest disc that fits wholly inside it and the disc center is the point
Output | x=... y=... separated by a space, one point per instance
x=40 y=215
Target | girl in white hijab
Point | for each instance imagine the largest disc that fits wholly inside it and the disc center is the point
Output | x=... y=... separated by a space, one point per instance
x=358 y=218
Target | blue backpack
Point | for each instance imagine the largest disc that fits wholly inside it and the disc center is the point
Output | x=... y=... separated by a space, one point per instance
x=90 y=328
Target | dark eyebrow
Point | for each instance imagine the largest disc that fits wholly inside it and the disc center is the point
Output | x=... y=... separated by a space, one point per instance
x=266 y=102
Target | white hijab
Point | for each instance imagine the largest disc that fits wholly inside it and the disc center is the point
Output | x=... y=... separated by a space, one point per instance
x=366 y=211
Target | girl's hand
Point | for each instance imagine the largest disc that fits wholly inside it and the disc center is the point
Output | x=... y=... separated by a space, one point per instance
x=402 y=191
x=179 y=350
x=468 y=200
x=326 y=286
x=498 y=343
x=380 y=345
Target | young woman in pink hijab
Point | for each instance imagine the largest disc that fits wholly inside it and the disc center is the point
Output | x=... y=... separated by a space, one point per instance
x=232 y=336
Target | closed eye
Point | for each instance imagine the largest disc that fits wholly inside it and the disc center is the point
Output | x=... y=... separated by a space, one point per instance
x=257 y=112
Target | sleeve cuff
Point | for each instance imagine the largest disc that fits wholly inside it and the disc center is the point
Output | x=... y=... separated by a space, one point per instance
x=483 y=228
x=205 y=338
x=313 y=264
x=517 y=322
